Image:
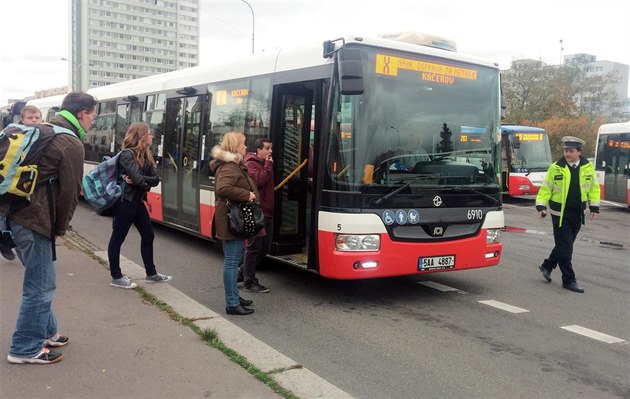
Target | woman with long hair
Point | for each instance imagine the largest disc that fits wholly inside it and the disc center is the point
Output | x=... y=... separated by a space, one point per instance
x=137 y=167
x=232 y=183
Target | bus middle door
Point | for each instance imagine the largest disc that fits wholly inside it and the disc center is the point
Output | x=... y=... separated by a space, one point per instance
x=180 y=168
x=290 y=134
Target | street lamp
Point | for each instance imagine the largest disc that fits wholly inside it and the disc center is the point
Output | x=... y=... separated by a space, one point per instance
x=75 y=78
x=253 y=23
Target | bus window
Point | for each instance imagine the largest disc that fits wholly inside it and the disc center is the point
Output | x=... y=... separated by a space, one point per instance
x=242 y=106
x=155 y=108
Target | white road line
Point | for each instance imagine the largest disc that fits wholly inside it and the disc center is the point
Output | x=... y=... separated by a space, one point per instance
x=609 y=339
x=504 y=306
x=437 y=286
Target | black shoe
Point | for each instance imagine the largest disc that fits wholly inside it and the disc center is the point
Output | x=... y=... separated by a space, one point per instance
x=253 y=286
x=245 y=302
x=573 y=287
x=238 y=310
x=7 y=252
x=545 y=272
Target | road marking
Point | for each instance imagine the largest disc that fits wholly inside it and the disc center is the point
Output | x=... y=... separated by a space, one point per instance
x=504 y=306
x=609 y=339
x=437 y=286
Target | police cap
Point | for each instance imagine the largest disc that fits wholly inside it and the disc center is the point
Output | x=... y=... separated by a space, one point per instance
x=572 y=142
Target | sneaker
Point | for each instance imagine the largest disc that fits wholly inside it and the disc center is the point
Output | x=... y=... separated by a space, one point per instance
x=45 y=356
x=123 y=282
x=57 y=340
x=254 y=286
x=158 y=278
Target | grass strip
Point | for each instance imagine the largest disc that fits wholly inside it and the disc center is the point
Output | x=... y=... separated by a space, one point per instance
x=211 y=338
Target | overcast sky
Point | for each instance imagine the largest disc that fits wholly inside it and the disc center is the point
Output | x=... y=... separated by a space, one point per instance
x=36 y=34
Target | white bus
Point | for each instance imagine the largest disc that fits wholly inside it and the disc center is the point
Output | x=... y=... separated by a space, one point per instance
x=612 y=162
x=395 y=148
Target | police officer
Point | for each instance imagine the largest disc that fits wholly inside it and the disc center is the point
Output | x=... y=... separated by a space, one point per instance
x=568 y=186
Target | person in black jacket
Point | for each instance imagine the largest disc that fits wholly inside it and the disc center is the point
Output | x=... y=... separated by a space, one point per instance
x=138 y=169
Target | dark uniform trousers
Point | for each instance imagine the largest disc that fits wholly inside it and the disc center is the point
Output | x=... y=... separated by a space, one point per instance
x=562 y=253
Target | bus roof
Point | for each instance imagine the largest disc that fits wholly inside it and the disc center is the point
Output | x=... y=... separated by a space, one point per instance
x=610 y=128
x=520 y=128
x=47 y=102
x=264 y=63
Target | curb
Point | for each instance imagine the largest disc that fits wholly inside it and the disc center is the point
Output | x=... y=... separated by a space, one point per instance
x=292 y=376
x=616 y=245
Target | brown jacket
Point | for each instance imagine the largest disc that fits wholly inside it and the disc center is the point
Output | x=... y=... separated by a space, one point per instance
x=62 y=158
x=231 y=184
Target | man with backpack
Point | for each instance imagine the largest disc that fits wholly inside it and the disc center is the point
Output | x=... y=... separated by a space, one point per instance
x=34 y=227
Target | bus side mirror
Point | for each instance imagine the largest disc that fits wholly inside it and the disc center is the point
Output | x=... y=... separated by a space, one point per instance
x=350 y=71
x=503 y=106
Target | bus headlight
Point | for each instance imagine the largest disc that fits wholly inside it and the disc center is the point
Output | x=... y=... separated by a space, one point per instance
x=357 y=242
x=493 y=235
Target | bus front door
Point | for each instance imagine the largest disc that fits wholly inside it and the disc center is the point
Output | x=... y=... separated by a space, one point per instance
x=291 y=121
x=180 y=167
x=620 y=174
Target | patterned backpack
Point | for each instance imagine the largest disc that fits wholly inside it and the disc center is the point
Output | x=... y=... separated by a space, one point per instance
x=103 y=186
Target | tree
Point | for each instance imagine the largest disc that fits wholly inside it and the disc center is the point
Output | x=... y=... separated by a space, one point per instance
x=581 y=127
x=446 y=143
x=536 y=91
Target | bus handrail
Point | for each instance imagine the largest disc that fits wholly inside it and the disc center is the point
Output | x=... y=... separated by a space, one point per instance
x=286 y=179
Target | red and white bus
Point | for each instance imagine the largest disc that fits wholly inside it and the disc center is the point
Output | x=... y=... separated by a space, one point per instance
x=393 y=186
x=525 y=158
x=612 y=162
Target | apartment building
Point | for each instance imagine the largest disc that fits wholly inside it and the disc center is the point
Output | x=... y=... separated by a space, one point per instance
x=118 y=40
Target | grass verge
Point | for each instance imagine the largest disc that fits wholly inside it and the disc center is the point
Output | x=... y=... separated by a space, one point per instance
x=211 y=338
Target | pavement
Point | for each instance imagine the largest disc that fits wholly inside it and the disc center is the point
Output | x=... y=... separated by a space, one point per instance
x=122 y=346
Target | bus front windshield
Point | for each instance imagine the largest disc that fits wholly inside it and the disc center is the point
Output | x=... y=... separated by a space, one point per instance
x=429 y=121
x=530 y=152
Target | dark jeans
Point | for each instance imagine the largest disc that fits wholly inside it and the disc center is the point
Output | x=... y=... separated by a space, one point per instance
x=127 y=213
x=564 y=236
x=255 y=250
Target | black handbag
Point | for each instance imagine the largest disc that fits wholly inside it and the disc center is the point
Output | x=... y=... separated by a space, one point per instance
x=245 y=219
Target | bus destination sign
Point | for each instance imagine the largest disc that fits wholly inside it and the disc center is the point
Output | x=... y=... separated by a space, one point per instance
x=429 y=71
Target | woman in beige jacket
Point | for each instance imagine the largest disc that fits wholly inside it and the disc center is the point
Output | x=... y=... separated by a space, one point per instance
x=231 y=184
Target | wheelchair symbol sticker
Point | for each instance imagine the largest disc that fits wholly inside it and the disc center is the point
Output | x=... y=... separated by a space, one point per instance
x=388 y=217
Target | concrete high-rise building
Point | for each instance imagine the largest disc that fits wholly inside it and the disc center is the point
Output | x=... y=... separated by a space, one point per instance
x=589 y=64
x=118 y=40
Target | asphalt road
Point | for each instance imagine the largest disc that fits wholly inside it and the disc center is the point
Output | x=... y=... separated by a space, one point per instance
x=500 y=332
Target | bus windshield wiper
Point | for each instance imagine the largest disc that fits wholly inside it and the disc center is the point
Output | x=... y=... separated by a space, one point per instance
x=378 y=201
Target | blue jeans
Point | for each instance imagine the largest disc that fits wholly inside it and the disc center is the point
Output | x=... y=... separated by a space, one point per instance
x=232 y=251
x=36 y=320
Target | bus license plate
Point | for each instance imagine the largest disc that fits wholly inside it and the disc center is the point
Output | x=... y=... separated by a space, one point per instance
x=436 y=262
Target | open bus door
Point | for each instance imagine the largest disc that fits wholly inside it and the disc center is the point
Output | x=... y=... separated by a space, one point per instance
x=291 y=136
x=183 y=128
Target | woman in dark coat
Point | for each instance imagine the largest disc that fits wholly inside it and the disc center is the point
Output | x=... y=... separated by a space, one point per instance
x=137 y=165
x=231 y=184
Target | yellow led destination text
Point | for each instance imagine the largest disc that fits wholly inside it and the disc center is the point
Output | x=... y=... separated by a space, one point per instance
x=240 y=92
x=437 y=73
x=529 y=136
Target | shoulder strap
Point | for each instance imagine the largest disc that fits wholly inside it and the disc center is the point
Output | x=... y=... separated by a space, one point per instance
x=60 y=129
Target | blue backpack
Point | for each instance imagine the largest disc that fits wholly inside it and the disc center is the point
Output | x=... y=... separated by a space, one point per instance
x=21 y=147
x=103 y=186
